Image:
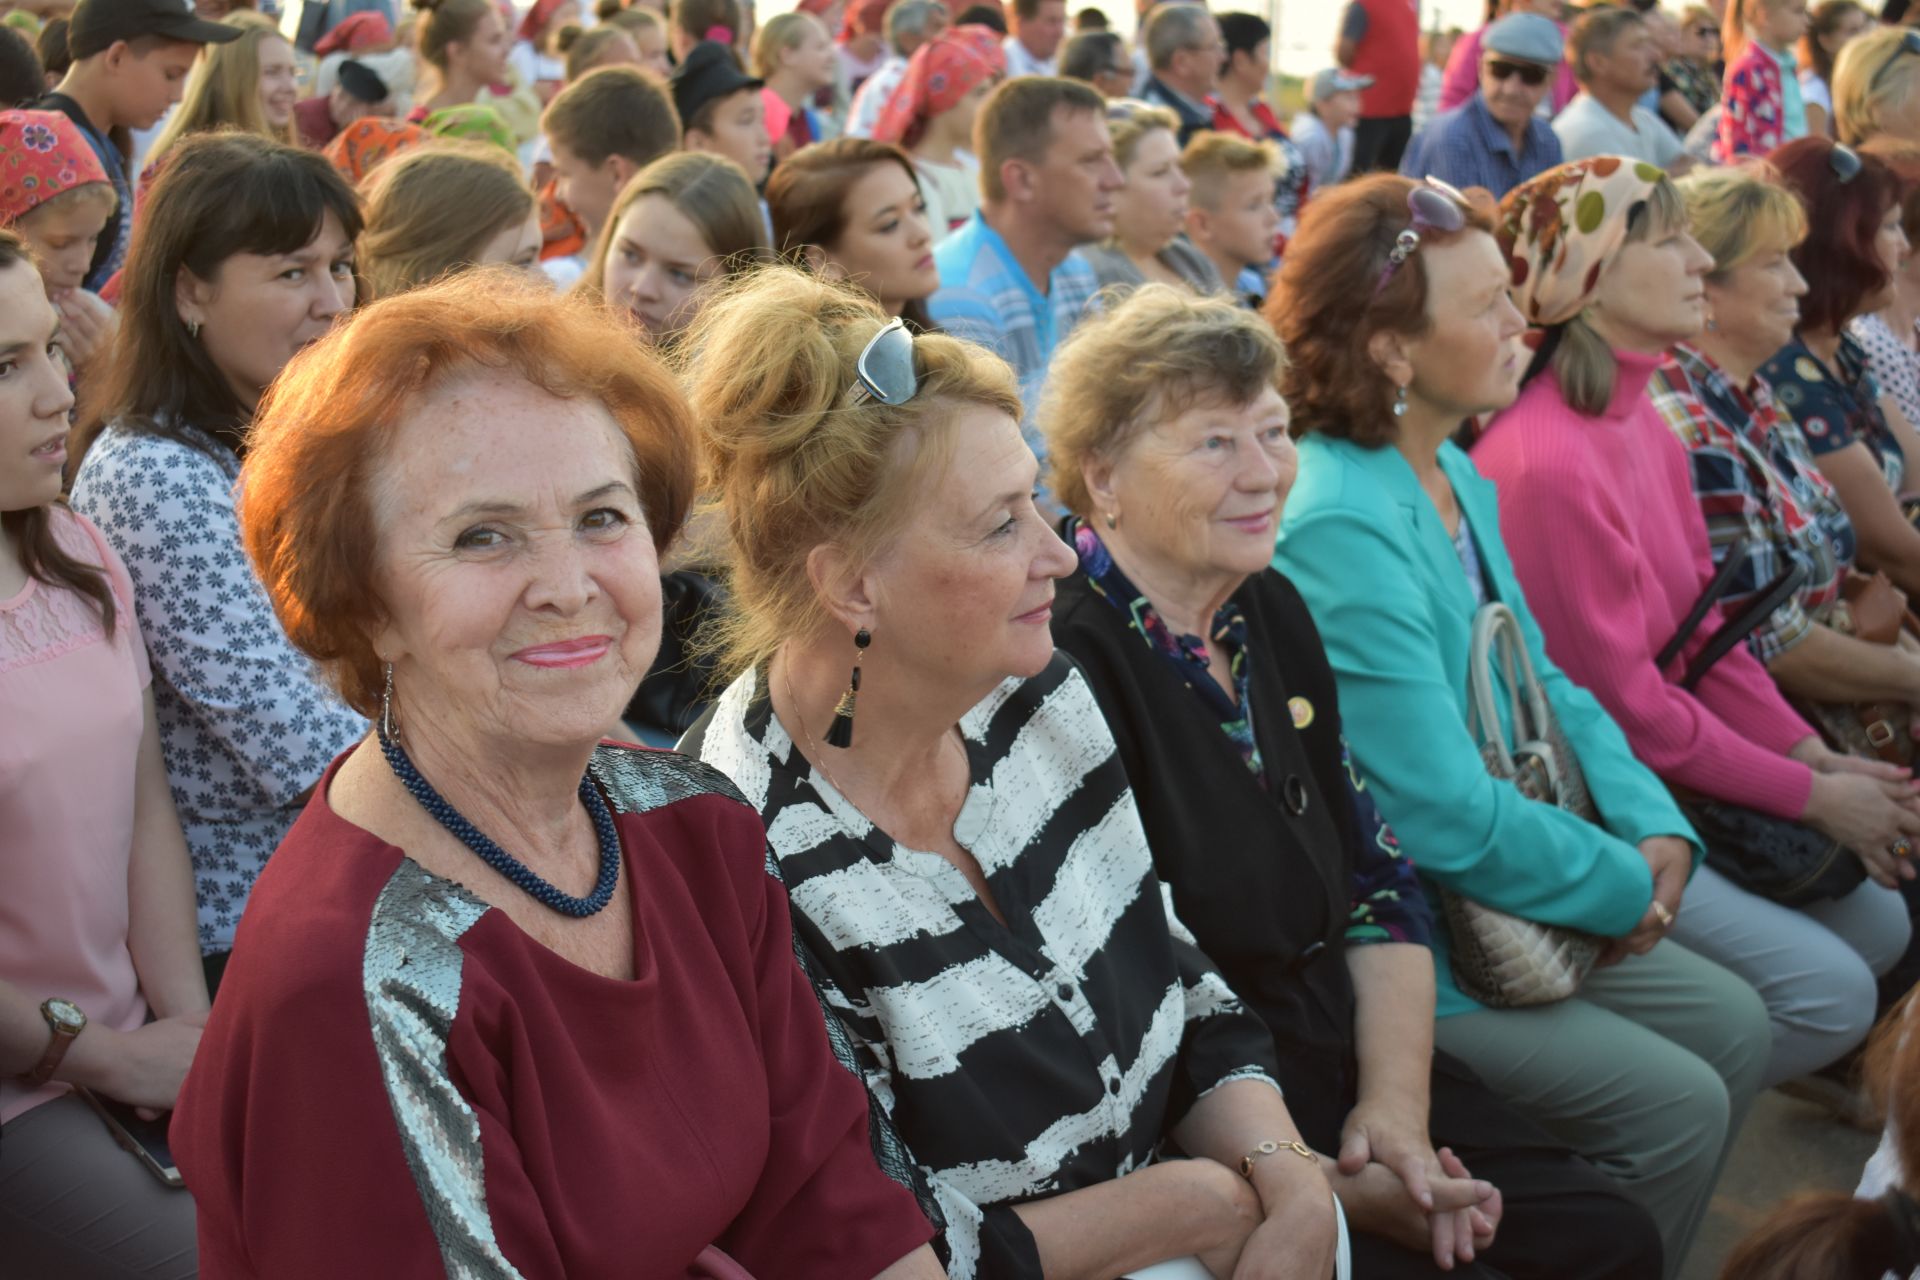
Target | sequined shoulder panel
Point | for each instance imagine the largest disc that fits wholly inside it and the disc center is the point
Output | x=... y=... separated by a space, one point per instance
x=412 y=977
x=638 y=781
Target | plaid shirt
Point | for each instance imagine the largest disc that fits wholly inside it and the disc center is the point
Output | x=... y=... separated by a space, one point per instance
x=1755 y=477
x=985 y=296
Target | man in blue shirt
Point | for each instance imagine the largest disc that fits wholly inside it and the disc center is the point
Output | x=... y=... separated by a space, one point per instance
x=1495 y=139
x=1009 y=277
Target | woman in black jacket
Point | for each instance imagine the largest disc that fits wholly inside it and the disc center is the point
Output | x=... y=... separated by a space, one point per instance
x=1168 y=442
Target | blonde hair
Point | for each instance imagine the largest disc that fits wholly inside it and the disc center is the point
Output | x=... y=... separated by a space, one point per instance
x=1869 y=78
x=791 y=465
x=223 y=89
x=713 y=193
x=776 y=36
x=431 y=210
x=1739 y=213
x=1129 y=120
x=1583 y=361
x=1211 y=158
x=1157 y=354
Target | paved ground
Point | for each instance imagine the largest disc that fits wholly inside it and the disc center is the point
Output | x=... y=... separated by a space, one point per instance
x=1786 y=1147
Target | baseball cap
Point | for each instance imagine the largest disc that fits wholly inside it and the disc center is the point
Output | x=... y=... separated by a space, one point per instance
x=97 y=24
x=1333 y=80
x=707 y=74
x=1526 y=36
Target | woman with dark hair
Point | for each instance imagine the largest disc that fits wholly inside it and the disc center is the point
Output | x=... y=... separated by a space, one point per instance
x=1862 y=442
x=243 y=256
x=1394 y=306
x=100 y=979
x=1611 y=548
x=1240 y=108
x=851 y=209
x=1829 y=28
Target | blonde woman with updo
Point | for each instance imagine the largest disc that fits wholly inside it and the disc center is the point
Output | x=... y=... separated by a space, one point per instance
x=952 y=821
x=443 y=208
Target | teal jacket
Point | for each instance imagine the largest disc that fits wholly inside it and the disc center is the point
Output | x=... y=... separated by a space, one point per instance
x=1364 y=545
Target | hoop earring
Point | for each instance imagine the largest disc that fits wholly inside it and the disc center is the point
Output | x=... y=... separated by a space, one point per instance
x=841 y=733
x=1400 y=402
x=387 y=727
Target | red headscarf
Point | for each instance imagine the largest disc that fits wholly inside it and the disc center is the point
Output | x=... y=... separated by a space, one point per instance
x=864 y=17
x=355 y=32
x=42 y=154
x=940 y=73
x=537 y=18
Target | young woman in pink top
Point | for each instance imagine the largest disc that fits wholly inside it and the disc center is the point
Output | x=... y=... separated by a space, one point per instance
x=1611 y=549
x=100 y=977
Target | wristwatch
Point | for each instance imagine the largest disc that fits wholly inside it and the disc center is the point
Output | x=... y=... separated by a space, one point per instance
x=67 y=1022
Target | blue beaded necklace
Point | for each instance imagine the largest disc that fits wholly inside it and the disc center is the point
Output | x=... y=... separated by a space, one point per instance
x=502 y=861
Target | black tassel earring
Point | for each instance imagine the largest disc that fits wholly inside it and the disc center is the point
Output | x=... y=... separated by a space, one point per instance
x=841 y=733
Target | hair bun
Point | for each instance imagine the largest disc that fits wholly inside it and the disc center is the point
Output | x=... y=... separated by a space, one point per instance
x=426 y=6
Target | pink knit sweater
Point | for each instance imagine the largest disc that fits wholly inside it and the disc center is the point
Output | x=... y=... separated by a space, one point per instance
x=1600 y=520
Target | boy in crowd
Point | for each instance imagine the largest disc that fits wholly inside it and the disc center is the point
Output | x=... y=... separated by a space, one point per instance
x=130 y=63
x=1231 y=216
x=721 y=109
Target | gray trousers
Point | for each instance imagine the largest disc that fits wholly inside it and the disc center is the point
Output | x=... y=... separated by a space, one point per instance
x=1813 y=966
x=1647 y=1073
x=74 y=1206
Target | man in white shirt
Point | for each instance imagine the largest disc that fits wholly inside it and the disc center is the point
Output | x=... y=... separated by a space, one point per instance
x=1324 y=131
x=1614 y=59
x=910 y=24
x=1038 y=28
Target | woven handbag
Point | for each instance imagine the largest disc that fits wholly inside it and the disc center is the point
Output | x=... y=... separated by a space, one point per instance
x=1501 y=960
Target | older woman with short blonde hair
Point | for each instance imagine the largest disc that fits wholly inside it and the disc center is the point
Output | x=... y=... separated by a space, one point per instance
x=1168 y=440
x=1150 y=211
x=1876 y=86
x=517 y=979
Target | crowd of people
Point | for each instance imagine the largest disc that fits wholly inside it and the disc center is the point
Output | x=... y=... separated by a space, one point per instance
x=913 y=640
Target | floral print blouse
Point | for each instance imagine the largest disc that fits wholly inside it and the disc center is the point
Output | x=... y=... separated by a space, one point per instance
x=1755 y=477
x=245 y=725
x=1837 y=406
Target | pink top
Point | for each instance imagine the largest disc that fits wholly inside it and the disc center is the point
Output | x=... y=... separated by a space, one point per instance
x=1610 y=547
x=70 y=701
x=1463 y=74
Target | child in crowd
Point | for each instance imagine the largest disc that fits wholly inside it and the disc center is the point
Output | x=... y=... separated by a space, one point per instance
x=55 y=196
x=1761 y=107
x=130 y=63
x=721 y=109
x=602 y=129
x=1231 y=216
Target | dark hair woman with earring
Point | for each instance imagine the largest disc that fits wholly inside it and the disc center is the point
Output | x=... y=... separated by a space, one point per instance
x=243 y=256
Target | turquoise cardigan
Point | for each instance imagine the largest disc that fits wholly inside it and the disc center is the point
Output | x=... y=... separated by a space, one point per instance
x=1363 y=543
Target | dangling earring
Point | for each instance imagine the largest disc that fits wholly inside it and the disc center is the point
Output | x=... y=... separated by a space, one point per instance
x=193 y=330
x=1113 y=519
x=1713 y=326
x=387 y=733
x=841 y=733
x=1400 y=402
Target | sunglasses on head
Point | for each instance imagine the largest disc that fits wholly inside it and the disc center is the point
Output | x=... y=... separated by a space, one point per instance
x=1432 y=205
x=1845 y=163
x=1531 y=74
x=885 y=370
x=1909 y=43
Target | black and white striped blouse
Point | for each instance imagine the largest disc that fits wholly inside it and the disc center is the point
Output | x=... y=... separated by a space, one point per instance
x=1023 y=1060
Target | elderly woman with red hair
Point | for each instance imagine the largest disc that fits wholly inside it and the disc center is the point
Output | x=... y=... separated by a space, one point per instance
x=930 y=115
x=538 y=992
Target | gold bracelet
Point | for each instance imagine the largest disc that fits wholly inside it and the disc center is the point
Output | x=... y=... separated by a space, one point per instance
x=1271 y=1147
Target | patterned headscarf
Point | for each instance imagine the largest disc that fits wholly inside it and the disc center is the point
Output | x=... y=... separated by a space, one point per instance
x=940 y=73
x=1562 y=230
x=369 y=140
x=365 y=30
x=474 y=121
x=42 y=154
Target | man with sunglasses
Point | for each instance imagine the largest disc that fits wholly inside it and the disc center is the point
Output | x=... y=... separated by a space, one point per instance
x=1495 y=140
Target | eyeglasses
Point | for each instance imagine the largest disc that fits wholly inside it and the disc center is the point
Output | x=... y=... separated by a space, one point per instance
x=885 y=370
x=1531 y=74
x=1705 y=33
x=1433 y=206
x=1845 y=163
x=1909 y=43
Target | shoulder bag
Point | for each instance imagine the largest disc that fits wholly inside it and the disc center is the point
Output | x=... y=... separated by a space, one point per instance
x=1501 y=960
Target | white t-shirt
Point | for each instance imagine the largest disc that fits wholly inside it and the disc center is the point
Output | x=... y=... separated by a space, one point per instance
x=1586 y=129
x=1022 y=63
x=952 y=192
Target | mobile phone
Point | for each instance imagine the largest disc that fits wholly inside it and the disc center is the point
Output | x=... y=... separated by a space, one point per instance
x=145 y=1139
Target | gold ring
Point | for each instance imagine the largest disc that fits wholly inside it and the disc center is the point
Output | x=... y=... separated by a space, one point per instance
x=1660 y=913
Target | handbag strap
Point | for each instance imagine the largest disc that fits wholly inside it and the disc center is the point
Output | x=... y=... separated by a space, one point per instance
x=1738 y=627
x=1722 y=579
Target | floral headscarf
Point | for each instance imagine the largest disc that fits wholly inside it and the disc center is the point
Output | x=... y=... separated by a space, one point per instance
x=369 y=140
x=42 y=154
x=1562 y=230
x=940 y=73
